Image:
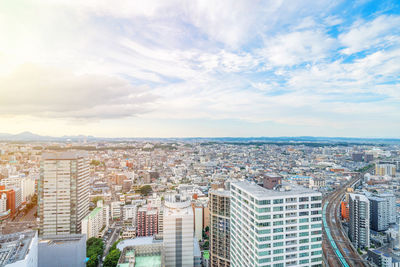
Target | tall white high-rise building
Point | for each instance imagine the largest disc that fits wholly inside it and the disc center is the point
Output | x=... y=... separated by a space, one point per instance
x=359 y=220
x=391 y=206
x=63 y=192
x=274 y=225
x=178 y=232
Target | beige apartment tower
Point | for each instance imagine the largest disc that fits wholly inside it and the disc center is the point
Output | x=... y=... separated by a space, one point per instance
x=219 y=205
x=63 y=192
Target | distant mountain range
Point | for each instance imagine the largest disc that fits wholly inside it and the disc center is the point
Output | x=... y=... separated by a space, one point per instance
x=31 y=137
x=28 y=136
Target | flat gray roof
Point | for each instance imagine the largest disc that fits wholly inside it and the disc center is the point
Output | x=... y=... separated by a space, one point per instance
x=376 y=198
x=145 y=240
x=61 y=238
x=261 y=192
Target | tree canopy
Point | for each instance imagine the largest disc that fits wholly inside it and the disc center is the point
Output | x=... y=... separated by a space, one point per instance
x=112 y=258
x=145 y=190
x=94 y=249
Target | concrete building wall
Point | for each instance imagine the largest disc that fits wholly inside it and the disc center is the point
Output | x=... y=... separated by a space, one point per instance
x=198 y=223
x=359 y=224
x=93 y=223
x=178 y=235
x=115 y=210
x=379 y=216
x=391 y=206
x=129 y=212
x=219 y=206
x=274 y=227
x=3 y=202
x=62 y=251
x=63 y=196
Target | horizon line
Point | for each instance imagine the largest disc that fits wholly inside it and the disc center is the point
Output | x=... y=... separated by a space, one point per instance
x=198 y=137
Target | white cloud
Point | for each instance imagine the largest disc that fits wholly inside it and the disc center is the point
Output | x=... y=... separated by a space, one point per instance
x=298 y=47
x=230 y=23
x=253 y=61
x=381 y=32
x=332 y=21
x=360 y=76
x=47 y=92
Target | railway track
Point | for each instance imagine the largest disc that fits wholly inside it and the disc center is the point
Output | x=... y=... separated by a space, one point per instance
x=336 y=242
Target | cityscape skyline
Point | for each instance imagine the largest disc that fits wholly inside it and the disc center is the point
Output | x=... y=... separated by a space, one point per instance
x=192 y=68
x=199 y=133
x=196 y=202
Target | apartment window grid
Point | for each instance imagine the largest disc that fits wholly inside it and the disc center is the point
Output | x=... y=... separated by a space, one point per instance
x=255 y=215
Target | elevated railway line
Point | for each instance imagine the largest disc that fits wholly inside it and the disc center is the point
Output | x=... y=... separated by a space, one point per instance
x=338 y=250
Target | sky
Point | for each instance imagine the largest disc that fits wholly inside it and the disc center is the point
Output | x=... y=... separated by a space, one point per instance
x=202 y=68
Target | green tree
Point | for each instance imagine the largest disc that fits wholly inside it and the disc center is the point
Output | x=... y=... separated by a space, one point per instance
x=145 y=190
x=112 y=258
x=94 y=249
x=91 y=241
x=93 y=261
x=114 y=246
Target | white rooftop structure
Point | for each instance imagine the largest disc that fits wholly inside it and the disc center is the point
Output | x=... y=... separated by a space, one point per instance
x=19 y=249
x=286 y=189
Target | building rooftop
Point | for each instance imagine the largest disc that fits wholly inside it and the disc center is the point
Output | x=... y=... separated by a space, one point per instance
x=360 y=196
x=148 y=261
x=141 y=252
x=299 y=177
x=54 y=239
x=386 y=194
x=220 y=192
x=64 y=155
x=376 y=198
x=177 y=202
x=145 y=240
x=93 y=213
x=285 y=190
x=15 y=247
